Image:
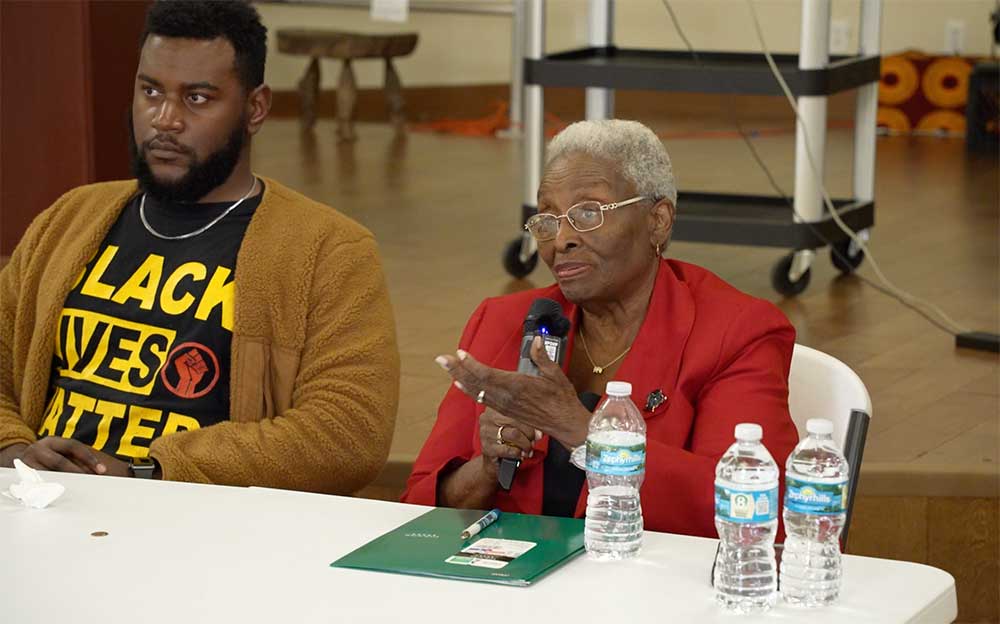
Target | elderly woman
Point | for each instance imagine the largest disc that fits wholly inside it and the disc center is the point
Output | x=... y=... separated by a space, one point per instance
x=701 y=356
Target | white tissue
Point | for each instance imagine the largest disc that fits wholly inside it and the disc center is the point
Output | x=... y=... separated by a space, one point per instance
x=33 y=491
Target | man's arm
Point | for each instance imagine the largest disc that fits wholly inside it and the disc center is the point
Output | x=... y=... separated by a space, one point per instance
x=336 y=435
x=16 y=317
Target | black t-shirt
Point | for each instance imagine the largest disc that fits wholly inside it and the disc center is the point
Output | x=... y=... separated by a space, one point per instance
x=143 y=344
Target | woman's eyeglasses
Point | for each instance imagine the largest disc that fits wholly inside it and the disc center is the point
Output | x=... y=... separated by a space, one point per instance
x=584 y=217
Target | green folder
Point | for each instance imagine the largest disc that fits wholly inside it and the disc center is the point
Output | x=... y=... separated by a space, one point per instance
x=519 y=548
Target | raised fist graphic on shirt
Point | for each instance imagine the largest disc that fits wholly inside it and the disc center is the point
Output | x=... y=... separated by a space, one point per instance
x=191 y=367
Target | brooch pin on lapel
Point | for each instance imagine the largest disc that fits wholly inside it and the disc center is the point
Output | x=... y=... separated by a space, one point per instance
x=654 y=399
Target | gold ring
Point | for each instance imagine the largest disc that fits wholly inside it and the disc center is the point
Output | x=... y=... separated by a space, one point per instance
x=500 y=439
x=481 y=397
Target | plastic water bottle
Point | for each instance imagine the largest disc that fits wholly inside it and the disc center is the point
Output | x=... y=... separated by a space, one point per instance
x=616 y=465
x=815 y=509
x=746 y=517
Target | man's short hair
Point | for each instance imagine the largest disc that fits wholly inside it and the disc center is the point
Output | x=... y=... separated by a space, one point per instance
x=234 y=20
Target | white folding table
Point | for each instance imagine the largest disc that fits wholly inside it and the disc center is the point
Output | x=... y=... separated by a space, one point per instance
x=177 y=552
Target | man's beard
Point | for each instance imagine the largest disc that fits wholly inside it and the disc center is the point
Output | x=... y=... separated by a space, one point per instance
x=202 y=176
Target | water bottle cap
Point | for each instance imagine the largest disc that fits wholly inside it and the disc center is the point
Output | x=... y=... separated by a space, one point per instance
x=619 y=389
x=819 y=426
x=749 y=432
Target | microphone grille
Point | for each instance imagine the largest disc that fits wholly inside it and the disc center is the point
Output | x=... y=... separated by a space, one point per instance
x=544 y=307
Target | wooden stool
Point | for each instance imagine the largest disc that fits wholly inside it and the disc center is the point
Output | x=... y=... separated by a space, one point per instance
x=346 y=46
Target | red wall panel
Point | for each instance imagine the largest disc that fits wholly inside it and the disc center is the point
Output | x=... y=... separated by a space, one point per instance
x=66 y=73
x=44 y=109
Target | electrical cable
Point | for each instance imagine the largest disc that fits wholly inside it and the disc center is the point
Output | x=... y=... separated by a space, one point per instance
x=902 y=294
x=945 y=322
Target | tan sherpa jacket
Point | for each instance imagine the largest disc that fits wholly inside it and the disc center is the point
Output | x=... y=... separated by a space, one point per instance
x=314 y=381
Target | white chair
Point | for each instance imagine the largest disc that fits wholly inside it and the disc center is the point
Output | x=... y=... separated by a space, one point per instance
x=821 y=386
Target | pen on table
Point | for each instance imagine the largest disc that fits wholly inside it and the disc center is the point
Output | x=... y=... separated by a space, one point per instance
x=481 y=524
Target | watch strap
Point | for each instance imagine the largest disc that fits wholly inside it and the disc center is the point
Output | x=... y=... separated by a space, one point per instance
x=142 y=469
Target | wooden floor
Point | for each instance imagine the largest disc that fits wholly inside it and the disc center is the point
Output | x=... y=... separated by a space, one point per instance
x=442 y=207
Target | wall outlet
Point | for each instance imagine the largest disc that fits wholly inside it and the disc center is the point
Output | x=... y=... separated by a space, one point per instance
x=954 y=36
x=840 y=36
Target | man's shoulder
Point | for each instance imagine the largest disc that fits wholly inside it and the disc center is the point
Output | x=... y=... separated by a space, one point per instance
x=100 y=192
x=78 y=211
x=97 y=196
x=112 y=187
x=305 y=214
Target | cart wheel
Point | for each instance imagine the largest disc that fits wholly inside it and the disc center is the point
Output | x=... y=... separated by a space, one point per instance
x=780 y=281
x=842 y=258
x=512 y=260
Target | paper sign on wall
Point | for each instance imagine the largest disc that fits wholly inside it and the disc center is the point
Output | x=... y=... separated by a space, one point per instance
x=390 y=10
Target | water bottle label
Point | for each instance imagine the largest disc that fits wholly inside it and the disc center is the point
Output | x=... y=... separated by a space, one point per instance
x=608 y=459
x=746 y=506
x=810 y=497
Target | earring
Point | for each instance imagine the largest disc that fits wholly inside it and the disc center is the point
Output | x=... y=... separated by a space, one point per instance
x=658 y=254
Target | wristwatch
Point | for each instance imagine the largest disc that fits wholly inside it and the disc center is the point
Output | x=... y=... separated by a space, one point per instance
x=142 y=467
x=578 y=456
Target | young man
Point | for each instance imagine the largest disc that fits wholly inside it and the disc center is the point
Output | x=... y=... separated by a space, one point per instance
x=200 y=323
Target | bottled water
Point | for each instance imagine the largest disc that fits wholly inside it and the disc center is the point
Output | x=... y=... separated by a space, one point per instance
x=815 y=510
x=616 y=465
x=746 y=517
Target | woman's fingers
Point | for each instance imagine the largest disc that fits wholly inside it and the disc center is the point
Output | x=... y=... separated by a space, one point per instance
x=503 y=437
x=538 y=402
x=511 y=436
x=546 y=367
x=489 y=386
x=500 y=451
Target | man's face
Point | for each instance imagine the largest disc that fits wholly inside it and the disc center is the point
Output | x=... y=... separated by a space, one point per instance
x=188 y=120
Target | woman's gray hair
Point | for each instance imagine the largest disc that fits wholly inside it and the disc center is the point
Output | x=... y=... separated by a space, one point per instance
x=632 y=147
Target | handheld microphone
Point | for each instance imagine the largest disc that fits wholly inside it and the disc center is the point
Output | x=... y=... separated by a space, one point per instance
x=545 y=319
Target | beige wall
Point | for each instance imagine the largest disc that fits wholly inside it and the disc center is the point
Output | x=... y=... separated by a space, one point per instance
x=472 y=49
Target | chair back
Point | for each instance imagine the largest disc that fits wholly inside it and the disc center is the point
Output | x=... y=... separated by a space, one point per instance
x=821 y=386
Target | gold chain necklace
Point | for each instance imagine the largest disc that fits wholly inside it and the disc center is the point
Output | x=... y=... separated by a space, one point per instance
x=599 y=370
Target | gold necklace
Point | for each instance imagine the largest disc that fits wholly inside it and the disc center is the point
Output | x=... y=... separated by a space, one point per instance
x=599 y=370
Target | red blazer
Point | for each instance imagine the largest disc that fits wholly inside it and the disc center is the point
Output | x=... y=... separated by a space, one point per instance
x=720 y=356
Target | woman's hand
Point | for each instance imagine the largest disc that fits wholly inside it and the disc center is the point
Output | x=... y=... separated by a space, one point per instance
x=547 y=402
x=503 y=437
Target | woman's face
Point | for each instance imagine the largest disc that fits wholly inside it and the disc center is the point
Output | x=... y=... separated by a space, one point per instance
x=600 y=265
